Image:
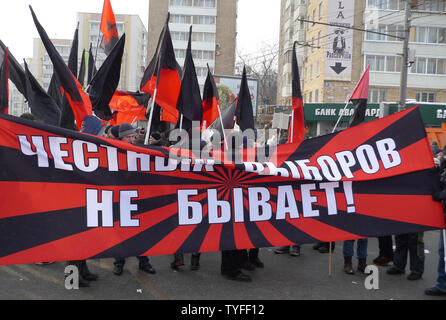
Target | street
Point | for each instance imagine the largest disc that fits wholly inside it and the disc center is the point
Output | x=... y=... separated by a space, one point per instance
x=283 y=278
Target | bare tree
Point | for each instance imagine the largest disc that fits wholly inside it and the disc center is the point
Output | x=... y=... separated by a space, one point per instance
x=262 y=66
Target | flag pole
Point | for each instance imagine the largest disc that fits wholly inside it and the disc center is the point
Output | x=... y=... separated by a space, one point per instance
x=149 y=124
x=341 y=115
x=292 y=126
x=222 y=127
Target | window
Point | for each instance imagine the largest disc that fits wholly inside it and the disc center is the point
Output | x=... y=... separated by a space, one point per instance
x=310 y=99
x=320 y=11
x=425 y=96
x=431 y=5
x=316 y=95
x=318 y=67
x=384 y=63
x=319 y=39
x=430 y=35
x=377 y=95
x=429 y=66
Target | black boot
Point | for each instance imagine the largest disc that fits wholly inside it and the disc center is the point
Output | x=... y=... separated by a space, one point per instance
x=85 y=272
x=178 y=261
x=348 y=267
x=195 y=262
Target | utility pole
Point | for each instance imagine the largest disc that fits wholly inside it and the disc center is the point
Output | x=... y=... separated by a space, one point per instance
x=405 y=68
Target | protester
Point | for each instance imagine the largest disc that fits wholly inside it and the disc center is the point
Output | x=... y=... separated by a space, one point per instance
x=440 y=287
x=324 y=247
x=158 y=139
x=361 y=253
x=292 y=250
x=385 y=251
x=435 y=148
x=413 y=244
x=91 y=125
x=128 y=133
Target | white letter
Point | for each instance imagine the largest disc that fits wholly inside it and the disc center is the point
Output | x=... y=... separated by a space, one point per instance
x=183 y=208
x=372 y=280
x=132 y=161
x=112 y=158
x=94 y=206
x=58 y=153
x=42 y=155
x=331 y=168
x=214 y=204
x=238 y=205
x=306 y=170
x=389 y=156
x=126 y=208
x=307 y=200
x=160 y=165
x=331 y=196
x=361 y=154
x=255 y=203
x=346 y=160
x=285 y=194
x=79 y=156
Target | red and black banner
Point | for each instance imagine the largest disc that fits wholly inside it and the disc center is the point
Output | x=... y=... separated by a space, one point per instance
x=128 y=107
x=71 y=196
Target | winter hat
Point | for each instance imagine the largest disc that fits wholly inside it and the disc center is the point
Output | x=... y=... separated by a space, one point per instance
x=126 y=129
x=115 y=131
x=93 y=125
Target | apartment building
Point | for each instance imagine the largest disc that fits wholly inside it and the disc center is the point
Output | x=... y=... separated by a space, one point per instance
x=214 y=32
x=134 y=60
x=334 y=58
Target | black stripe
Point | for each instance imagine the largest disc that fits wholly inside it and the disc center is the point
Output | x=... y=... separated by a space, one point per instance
x=40 y=228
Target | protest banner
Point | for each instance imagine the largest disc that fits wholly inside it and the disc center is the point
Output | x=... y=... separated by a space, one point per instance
x=72 y=196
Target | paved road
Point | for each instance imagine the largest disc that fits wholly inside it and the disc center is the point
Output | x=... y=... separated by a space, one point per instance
x=283 y=278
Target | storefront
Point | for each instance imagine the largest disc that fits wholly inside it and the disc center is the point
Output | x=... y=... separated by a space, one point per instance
x=321 y=118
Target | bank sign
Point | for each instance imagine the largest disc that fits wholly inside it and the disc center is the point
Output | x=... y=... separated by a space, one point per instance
x=332 y=112
x=432 y=114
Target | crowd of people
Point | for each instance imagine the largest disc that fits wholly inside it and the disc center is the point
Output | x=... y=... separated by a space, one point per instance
x=233 y=262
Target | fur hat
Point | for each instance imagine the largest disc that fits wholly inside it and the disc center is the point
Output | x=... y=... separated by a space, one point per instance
x=126 y=129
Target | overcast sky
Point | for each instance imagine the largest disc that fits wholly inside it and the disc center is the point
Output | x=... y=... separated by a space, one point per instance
x=258 y=21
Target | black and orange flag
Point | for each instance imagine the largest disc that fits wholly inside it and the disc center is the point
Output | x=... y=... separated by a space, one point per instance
x=108 y=27
x=104 y=84
x=297 y=130
x=211 y=100
x=162 y=78
x=189 y=100
x=4 y=84
x=244 y=111
x=79 y=101
x=359 y=98
x=42 y=105
x=128 y=107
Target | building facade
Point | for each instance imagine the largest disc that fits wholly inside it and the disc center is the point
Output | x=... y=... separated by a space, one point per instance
x=214 y=32
x=133 y=61
x=334 y=58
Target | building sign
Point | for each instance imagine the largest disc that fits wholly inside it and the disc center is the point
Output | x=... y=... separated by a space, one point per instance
x=233 y=83
x=339 y=47
x=432 y=114
x=332 y=111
